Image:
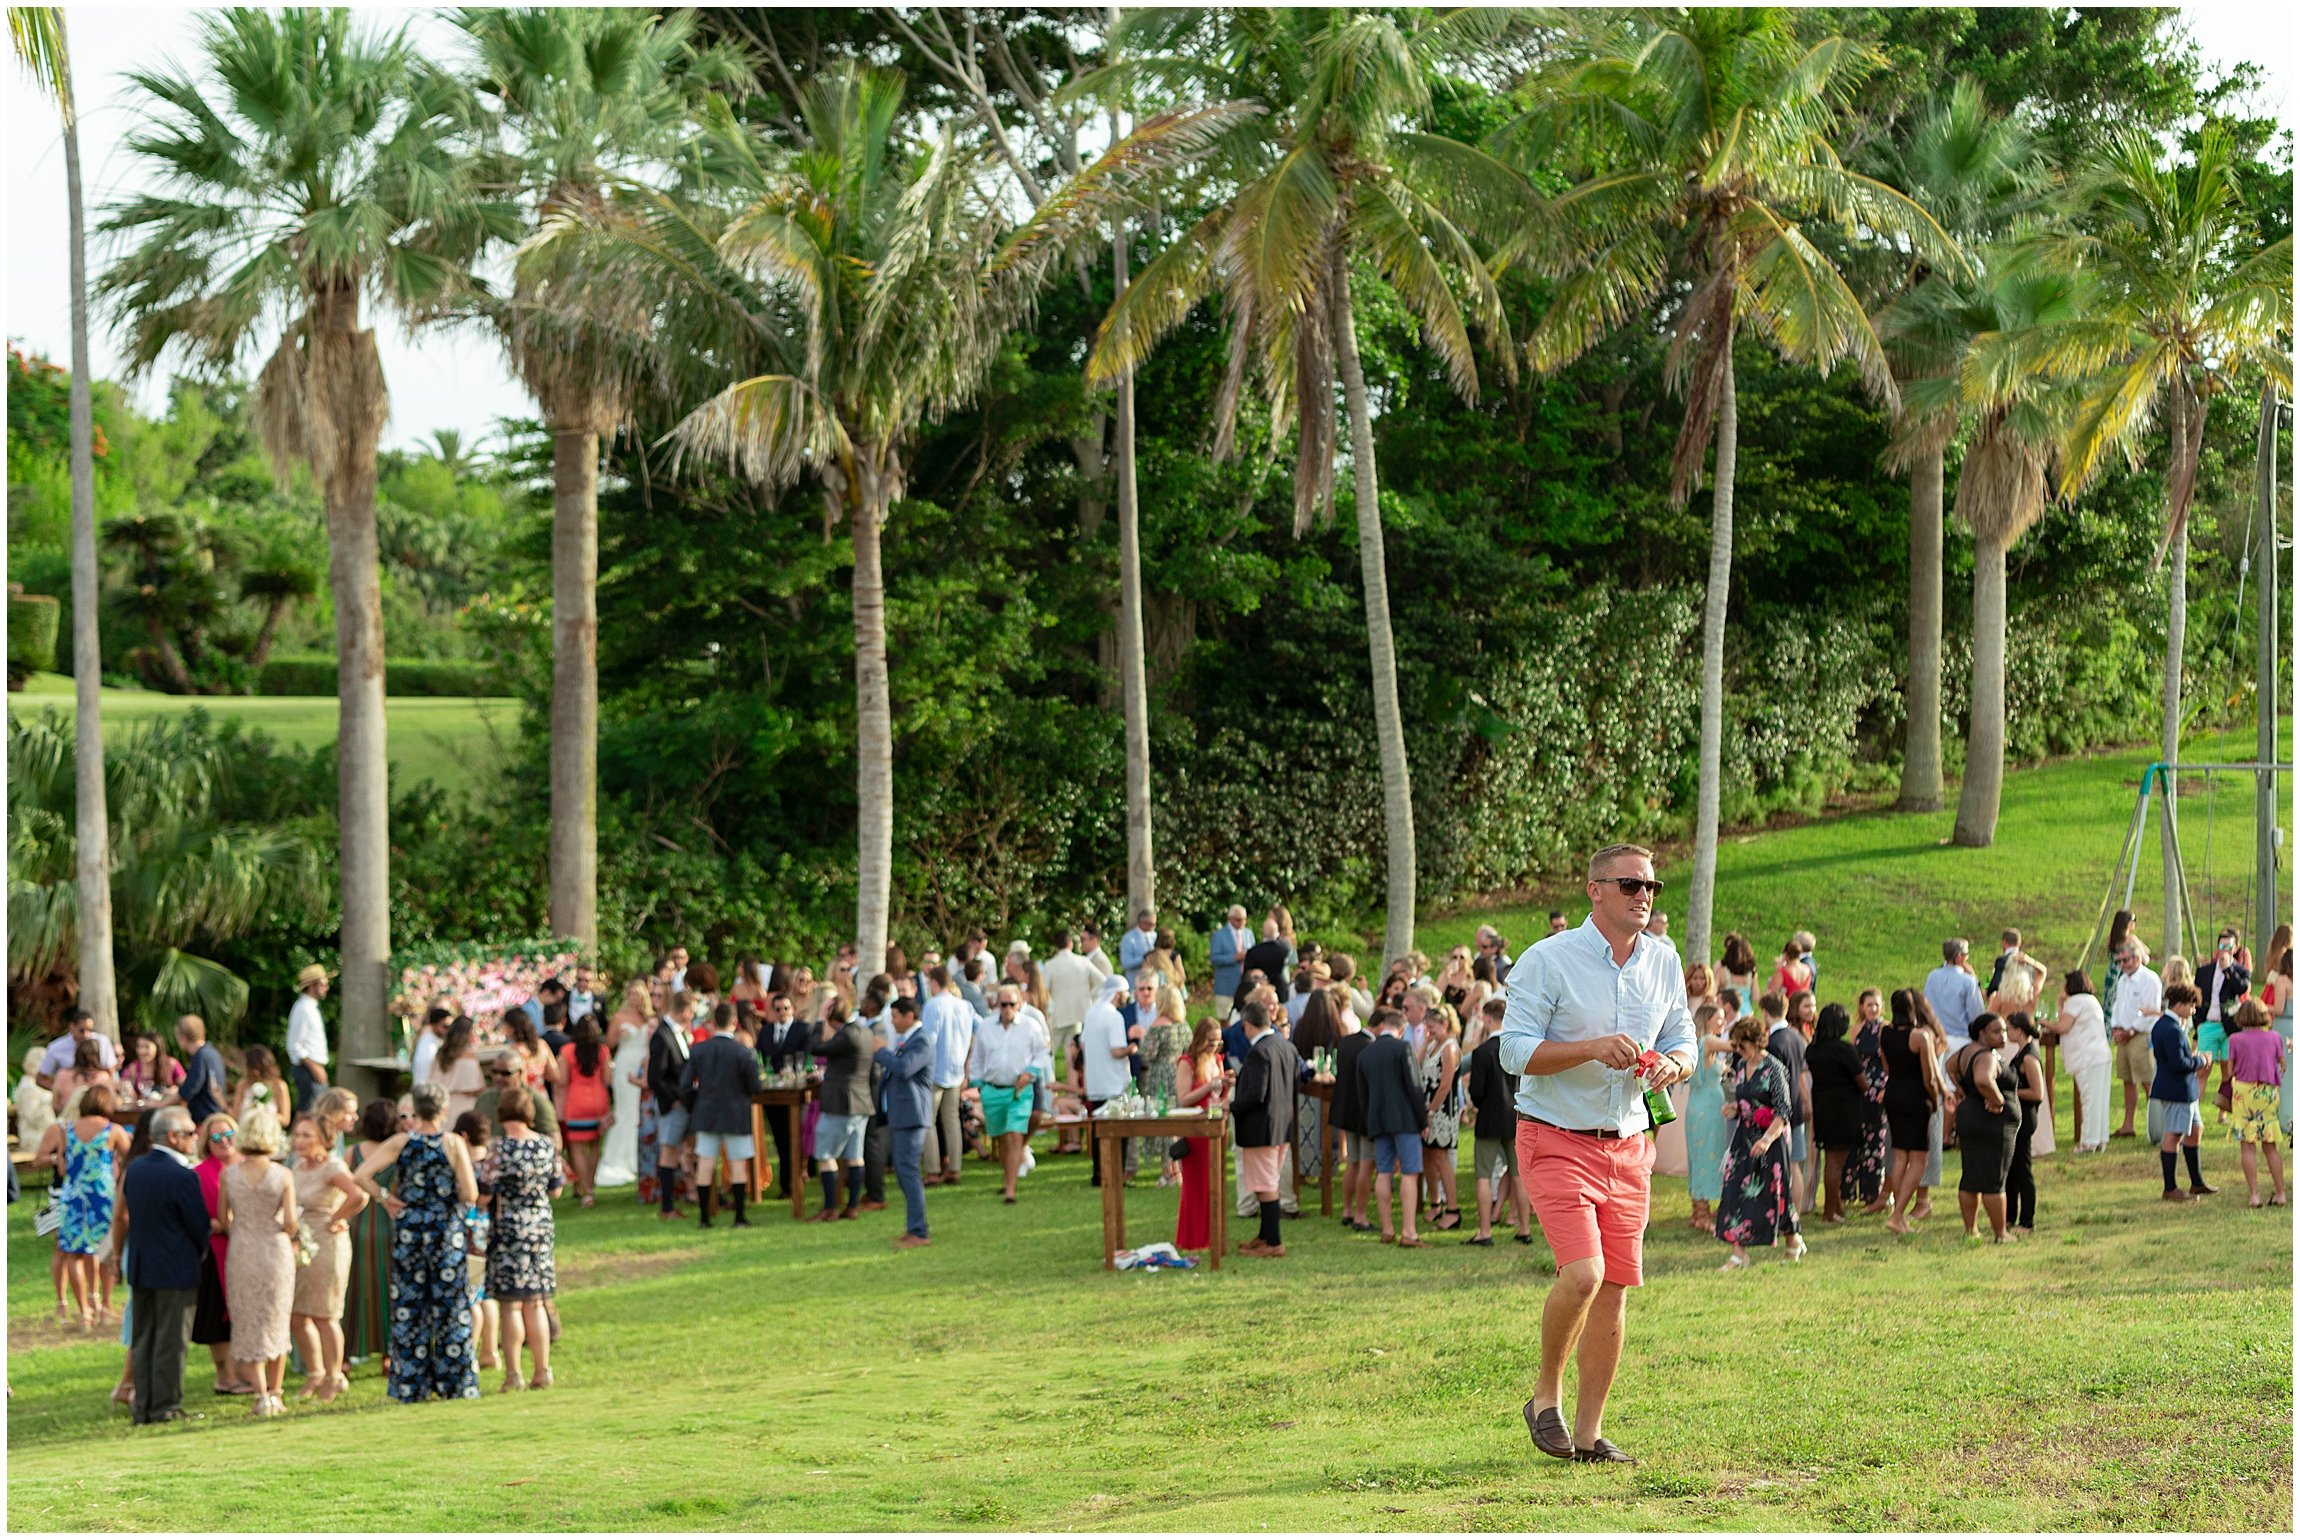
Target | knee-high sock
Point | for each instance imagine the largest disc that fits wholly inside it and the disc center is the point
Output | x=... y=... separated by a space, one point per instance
x=831 y=1188
x=667 y=1186
x=2171 y=1169
x=703 y=1196
x=741 y=1194
x=1271 y=1234
x=2195 y=1171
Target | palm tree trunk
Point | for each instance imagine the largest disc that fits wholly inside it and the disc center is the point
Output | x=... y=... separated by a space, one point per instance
x=1389 y=723
x=1921 y=752
x=1133 y=681
x=1985 y=732
x=92 y=858
x=874 y=726
x=346 y=380
x=574 y=840
x=261 y=653
x=1702 y=898
x=2175 y=651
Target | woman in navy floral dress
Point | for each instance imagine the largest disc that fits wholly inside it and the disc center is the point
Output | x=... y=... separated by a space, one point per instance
x=1864 y=1180
x=1755 y=1208
x=431 y=1348
x=522 y=1169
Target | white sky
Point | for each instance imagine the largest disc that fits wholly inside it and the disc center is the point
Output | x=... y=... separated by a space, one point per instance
x=447 y=380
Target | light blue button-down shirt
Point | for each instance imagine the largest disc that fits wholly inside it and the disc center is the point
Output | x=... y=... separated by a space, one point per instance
x=1956 y=1000
x=952 y=1024
x=1132 y=948
x=1566 y=988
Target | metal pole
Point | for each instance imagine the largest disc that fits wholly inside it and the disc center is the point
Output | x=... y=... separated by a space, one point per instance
x=2266 y=697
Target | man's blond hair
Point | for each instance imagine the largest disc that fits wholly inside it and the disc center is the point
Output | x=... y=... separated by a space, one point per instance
x=1612 y=853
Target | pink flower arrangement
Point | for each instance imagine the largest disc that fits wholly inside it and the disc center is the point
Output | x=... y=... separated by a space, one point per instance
x=481 y=982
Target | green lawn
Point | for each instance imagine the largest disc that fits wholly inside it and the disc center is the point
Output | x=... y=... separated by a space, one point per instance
x=2128 y=1368
x=1881 y=889
x=459 y=743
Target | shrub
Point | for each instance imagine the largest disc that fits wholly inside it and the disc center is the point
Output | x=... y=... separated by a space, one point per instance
x=401 y=676
x=32 y=620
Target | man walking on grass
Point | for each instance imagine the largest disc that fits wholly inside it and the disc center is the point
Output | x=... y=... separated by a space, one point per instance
x=907 y=1087
x=1010 y=1053
x=1594 y=1014
x=1264 y=1107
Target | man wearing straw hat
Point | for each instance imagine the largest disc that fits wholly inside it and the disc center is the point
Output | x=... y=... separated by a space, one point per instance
x=307 y=1038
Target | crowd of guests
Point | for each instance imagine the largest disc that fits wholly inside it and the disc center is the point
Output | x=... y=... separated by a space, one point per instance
x=270 y=1217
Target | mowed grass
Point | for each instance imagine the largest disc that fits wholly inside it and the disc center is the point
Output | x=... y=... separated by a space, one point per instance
x=458 y=743
x=1881 y=889
x=2128 y=1368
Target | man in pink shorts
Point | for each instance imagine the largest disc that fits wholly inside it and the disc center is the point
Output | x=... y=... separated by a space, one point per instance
x=1595 y=1015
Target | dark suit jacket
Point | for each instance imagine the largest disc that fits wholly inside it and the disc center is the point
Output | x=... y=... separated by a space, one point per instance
x=168 y=1223
x=907 y=1081
x=1270 y=958
x=789 y=1046
x=721 y=1075
x=846 y=1060
x=666 y=1065
x=1349 y=1095
x=1389 y=1092
x=1264 y=1102
x=2231 y=983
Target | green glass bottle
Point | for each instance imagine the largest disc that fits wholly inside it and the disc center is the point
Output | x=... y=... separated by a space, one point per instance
x=1657 y=1107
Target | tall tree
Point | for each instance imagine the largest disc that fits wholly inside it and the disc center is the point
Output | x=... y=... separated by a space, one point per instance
x=583 y=94
x=2192 y=304
x=1703 y=139
x=315 y=170
x=852 y=285
x=1980 y=173
x=1982 y=344
x=1332 y=174
x=42 y=45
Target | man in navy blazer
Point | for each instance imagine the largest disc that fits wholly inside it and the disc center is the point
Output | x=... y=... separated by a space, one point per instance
x=160 y=1196
x=906 y=1096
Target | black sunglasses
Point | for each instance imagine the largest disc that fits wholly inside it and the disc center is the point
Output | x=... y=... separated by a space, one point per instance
x=1632 y=886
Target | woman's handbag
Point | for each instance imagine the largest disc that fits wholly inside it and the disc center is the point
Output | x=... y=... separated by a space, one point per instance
x=47 y=1219
x=2225 y=1097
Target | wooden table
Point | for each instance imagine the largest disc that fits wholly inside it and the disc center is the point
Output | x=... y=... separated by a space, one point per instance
x=795 y=1097
x=1109 y=1136
x=1323 y=1091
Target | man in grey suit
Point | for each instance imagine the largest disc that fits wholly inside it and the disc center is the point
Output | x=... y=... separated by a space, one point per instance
x=907 y=1098
x=722 y=1075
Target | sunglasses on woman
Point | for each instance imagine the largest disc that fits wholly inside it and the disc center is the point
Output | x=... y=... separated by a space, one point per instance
x=220 y=1138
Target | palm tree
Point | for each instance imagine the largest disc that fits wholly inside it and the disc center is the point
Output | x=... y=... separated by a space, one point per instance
x=186 y=878
x=583 y=94
x=2190 y=306
x=313 y=172
x=1981 y=173
x=1983 y=343
x=278 y=579
x=1332 y=174
x=1703 y=139
x=41 y=44
x=456 y=457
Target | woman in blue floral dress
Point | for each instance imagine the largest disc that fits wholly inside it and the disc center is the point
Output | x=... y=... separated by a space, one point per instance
x=430 y=1344
x=84 y=1152
x=1755 y=1208
x=1864 y=1179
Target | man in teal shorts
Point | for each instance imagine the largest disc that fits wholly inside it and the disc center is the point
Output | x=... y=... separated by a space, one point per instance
x=1010 y=1054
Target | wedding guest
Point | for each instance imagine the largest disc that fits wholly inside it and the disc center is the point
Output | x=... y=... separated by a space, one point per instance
x=1226 y=954
x=1395 y=1111
x=1840 y=1090
x=1872 y=1156
x=79 y=1027
x=844 y=1046
x=2085 y=1054
x=1707 y=1139
x=1440 y=1065
x=907 y=1084
x=1913 y=1097
x=328 y=1199
x=2028 y=1073
x=211 y=1315
x=147 y=1070
x=721 y=1078
x=84 y=1150
x=503 y=1072
x=1010 y=1055
x=522 y=1171
x=1199 y=1081
x=85 y=1071
x=256 y=1207
x=2135 y=1002
x=1493 y=1095
x=2172 y=1111
x=1756 y=1209
x=430 y=1300
x=585 y=1104
x=428 y=1040
x=306 y=1042
x=1263 y=1104
x=667 y=1049
x=1988 y=1119
x=2256 y=1069
x=160 y=1198
x=1349 y=1113
x=539 y=1068
x=946 y=1015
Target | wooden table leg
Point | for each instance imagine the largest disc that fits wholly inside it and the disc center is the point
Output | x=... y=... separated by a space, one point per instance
x=759 y=1147
x=1109 y=1152
x=1221 y=1235
x=1326 y=1162
x=791 y=1132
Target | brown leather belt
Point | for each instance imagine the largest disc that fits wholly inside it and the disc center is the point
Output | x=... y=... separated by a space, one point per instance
x=1586 y=1133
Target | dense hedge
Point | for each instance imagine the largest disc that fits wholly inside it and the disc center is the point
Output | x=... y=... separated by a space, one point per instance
x=32 y=622
x=401 y=676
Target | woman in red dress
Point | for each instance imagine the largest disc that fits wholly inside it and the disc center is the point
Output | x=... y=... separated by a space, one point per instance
x=1198 y=1079
x=586 y=1102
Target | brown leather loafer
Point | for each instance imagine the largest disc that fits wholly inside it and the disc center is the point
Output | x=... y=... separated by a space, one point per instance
x=1550 y=1434
x=1604 y=1452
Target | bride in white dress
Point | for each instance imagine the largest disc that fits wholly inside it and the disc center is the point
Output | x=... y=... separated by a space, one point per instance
x=627 y=1036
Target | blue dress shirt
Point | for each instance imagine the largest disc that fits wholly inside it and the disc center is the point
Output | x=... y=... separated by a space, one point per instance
x=1566 y=988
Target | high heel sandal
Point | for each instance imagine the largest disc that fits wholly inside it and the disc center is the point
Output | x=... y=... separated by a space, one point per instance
x=1734 y=1264
x=123 y=1395
x=542 y=1380
x=512 y=1381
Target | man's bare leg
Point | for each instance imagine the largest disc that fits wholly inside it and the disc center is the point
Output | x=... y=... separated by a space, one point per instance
x=1562 y=1316
x=1599 y=1356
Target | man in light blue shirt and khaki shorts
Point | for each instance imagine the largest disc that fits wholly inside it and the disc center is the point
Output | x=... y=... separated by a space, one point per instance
x=1595 y=1015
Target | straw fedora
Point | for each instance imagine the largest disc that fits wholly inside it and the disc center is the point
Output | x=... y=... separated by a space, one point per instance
x=313 y=974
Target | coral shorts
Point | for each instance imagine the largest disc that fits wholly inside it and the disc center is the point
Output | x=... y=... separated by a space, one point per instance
x=1591 y=1196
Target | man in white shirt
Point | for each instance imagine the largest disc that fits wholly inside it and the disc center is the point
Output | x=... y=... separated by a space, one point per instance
x=583 y=999
x=79 y=1024
x=1072 y=982
x=307 y=1038
x=2139 y=1000
x=952 y=1023
x=427 y=1043
x=1010 y=1054
x=1106 y=1048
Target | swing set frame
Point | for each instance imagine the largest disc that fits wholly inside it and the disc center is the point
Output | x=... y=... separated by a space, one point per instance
x=2127 y=871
